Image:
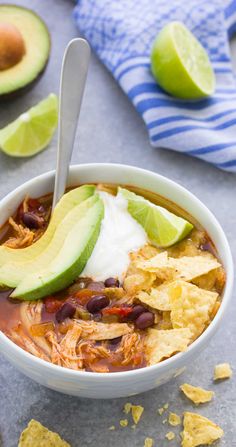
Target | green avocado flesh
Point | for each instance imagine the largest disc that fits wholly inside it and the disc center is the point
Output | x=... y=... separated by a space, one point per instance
x=37 y=48
x=162 y=227
x=11 y=274
x=66 y=204
x=71 y=259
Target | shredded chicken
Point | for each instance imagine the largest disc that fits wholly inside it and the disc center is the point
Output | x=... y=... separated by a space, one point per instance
x=25 y=204
x=19 y=337
x=92 y=354
x=23 y=238
x=131 y=346
x=64 y=352
x=31 y=312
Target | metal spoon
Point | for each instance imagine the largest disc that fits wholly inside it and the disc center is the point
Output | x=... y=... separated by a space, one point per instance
x=73 y=76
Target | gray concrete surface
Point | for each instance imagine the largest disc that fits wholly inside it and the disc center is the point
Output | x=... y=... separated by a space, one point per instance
x=110 y=130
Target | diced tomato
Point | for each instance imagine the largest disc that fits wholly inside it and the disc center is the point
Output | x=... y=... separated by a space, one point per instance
x=52 y=304
x=33 y=204
x=84 y=295
x=120 y=311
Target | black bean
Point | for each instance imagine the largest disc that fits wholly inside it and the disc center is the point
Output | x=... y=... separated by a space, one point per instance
x=145 y=320
x=136 y=311
x=112 y=282
x=97 y=303
x=31 y=220
x=66 y=311
x=95 y=285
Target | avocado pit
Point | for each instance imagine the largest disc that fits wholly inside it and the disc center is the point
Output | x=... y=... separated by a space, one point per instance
x=12 y=46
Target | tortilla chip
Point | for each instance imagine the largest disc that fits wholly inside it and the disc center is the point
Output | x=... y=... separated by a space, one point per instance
x=127 y=408
x=39 y=436
x=165 y=322
x=137 y=412
x=163 y=344
x=196 y=394
x=124 y=422
x=158 y=298
x=138 y=281
x=191 y=307
x=159 y=265
x=104 y=331
x=186 y=268
x=199 y=430
x=174 y=419
x=170 y=435
x=190 y=267
x=222 y=371
x=149 y=251
x=148 y=442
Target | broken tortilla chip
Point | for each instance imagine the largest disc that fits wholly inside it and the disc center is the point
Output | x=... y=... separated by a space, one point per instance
x=137 y=412
x=196 y=394
x=199 y=430
x=222 y=371
x=170 y=435
x=35 y=434
x=124 y=422
x=159 y=265
x=103 y=331
x=138 y=281
x=148 y=442
x=161 y=344
x=191 y=307
x=174 y=419
x=190 y=267
x=127 y=407
x=186 y=268
x=158 y=298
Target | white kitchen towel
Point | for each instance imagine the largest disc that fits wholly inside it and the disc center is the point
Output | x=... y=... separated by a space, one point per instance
x=122 y=32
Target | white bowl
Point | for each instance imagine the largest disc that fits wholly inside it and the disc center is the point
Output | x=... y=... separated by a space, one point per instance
x=110 y=385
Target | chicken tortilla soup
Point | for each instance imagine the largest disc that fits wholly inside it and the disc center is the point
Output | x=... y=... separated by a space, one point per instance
x=113 y=279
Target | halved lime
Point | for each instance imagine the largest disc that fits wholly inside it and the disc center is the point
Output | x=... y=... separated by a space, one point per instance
x=180 y=64
x=32 y=131
x=162 y=227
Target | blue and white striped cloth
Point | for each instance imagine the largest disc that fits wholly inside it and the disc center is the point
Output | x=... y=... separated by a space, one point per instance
x=121 y=32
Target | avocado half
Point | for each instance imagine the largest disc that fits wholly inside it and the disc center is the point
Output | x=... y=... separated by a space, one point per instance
x=24 y=49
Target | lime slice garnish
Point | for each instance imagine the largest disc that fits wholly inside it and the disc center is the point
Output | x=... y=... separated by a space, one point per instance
x=162 y=227
x=180 y=64
x=32 y=131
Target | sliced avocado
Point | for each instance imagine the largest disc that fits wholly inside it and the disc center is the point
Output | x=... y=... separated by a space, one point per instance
x=24 y=48
x=69 y=262
x=66 y=204
x=11 y=274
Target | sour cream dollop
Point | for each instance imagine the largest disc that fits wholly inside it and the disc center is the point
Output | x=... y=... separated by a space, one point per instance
x=120 y=234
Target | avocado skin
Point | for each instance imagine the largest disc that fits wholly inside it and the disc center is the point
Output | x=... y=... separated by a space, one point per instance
x=5 y=97
x=65 y=278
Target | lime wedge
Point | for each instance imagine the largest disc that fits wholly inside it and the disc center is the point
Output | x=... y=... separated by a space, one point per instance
x=162 y=227
x=180 y=64
x=32 y=131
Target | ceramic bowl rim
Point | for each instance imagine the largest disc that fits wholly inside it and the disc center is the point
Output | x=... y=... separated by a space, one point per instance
x=168 y=363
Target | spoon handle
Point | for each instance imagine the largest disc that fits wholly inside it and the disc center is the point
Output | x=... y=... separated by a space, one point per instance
x=73 y=76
